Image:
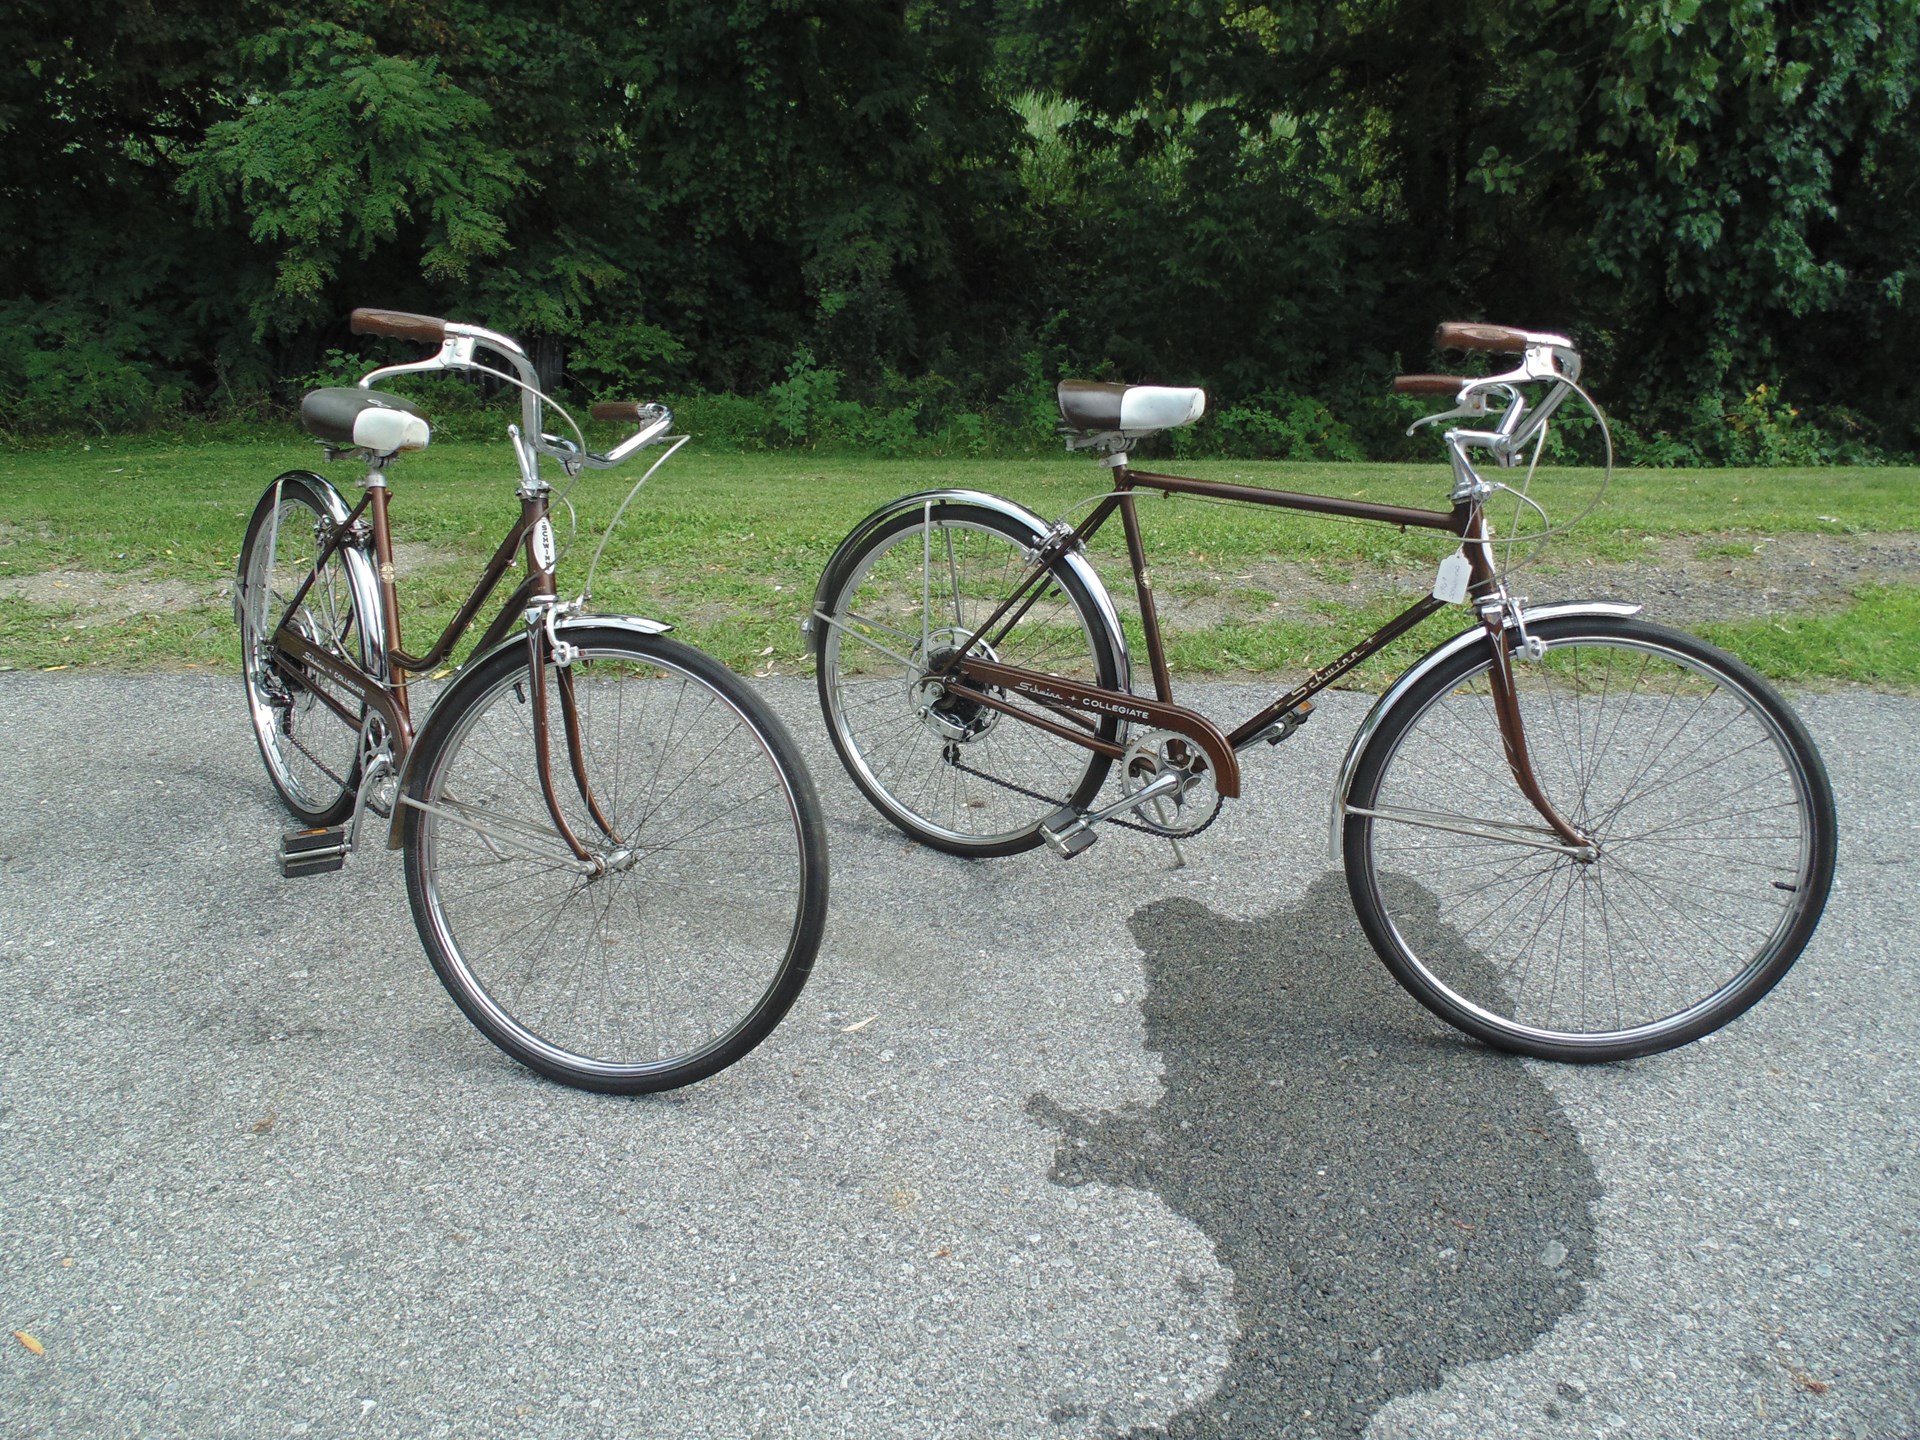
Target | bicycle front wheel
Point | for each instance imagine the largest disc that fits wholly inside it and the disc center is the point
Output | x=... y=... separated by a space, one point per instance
x=951 y=772
x=1700 y=789
x=308 y=726
x=687 y=935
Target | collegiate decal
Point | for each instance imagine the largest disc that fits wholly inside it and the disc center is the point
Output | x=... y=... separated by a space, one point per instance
x=1084 y=702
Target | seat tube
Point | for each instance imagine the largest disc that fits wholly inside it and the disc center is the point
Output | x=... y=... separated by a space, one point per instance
x=1143 y=586
x=389 y=643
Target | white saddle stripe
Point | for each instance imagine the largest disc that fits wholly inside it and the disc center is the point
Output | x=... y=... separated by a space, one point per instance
x=1160 y=407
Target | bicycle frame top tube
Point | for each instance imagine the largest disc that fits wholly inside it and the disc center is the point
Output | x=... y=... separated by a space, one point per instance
x=1454 y=521
x=539 y=581
x=1462 y=520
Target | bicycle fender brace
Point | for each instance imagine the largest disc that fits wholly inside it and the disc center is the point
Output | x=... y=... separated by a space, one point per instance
x=1037 y=531
x=362 y=580
x=1444 y=651
x=408 y=781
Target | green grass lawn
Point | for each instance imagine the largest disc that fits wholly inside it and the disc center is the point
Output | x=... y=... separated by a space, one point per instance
x=728 y=546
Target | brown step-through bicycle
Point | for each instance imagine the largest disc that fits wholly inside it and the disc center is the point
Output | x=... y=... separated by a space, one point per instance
x=1567 y=831
x=613 y=851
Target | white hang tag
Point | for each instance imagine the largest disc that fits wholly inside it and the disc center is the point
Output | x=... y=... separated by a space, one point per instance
x=1450 y=585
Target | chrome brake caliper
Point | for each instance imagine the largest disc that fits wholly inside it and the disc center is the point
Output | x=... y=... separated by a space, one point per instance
x=548 y=617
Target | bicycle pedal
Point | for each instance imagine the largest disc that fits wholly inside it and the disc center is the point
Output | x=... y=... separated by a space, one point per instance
x=1067 y=832
x=313 y=852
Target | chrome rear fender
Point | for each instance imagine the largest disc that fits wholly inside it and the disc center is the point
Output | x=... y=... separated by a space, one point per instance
x=1030 y=521
x=362 y=579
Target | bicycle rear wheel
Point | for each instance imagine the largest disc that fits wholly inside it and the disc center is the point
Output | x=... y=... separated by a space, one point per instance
x=951 y=772
x=308 y=726
x=1701 y=789
x=693 y=930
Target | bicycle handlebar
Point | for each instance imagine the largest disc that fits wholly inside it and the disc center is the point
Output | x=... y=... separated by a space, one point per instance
x=1428 y=384
x=1544 y=359
x=400 y=324
x=1500 y=339
x=458 y=342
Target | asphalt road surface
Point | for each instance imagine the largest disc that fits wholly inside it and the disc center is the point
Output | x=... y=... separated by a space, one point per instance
x=1118 y=1150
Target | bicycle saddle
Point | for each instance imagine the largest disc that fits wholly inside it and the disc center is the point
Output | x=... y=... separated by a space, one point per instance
x=364 y=419
x=1093 y=405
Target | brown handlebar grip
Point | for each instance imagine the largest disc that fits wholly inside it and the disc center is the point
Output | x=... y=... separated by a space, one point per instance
x=618 y=410
x=1460 y=335
x=397 y=323
x=1428 y=384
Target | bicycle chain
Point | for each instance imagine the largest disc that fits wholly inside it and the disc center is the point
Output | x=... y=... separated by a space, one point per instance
x=1059 y=804
x=286 y=729
x=322 y=765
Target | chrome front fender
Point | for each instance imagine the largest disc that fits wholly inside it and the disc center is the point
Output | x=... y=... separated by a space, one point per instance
x=464 y=680
x=1421 y=668
x=1029 y=520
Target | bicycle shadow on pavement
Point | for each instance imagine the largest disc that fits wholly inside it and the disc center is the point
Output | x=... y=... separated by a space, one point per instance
x=1390 y=1197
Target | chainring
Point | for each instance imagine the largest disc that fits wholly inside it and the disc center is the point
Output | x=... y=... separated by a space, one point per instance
x=1188 y=810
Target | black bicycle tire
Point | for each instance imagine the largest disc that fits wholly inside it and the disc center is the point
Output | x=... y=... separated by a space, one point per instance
x=1721 y=1007
x=796 y=964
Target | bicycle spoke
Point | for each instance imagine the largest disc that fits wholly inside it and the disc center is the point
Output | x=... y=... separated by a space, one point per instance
x=1679 y=917
x=666 y=948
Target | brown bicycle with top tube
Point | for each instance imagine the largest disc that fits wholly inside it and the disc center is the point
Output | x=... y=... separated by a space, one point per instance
x=613 y=851
x=1567 y=831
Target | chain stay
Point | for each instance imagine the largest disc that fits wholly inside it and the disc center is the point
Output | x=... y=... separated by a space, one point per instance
x=965 y=769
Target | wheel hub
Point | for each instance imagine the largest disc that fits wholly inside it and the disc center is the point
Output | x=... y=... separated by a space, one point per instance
x=955 y=719
x=616 y=861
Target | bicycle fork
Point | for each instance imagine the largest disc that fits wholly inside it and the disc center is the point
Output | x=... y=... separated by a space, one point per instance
x=1513 y=736
x=542 y=644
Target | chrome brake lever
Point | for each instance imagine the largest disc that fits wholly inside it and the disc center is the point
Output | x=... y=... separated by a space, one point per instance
x=1474 y=407
x=456 y=353
x=576 y=459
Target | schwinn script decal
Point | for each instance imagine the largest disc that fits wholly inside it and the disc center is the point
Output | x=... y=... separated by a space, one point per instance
x=544 y=550
x=1087 y=702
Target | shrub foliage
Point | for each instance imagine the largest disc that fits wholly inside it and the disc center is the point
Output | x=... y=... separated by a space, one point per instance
x=895 y=225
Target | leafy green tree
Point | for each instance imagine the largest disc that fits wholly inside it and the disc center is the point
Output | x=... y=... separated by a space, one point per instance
x=882 y=204
x=1702 y=188
x=338 y=149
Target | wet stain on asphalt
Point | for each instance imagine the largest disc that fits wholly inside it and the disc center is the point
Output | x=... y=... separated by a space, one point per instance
x=1392 y=1198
